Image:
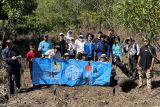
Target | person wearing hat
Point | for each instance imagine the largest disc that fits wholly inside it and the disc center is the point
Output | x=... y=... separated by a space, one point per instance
x=145 y=63
x=103 y=46
x=103 y=58
x=53 y=53
x=90 y=47
x=11 y=57
x=63 y=44
x=72 y=48
x=66 y=56
x=79 y=44
x=68 y=36
x=133 y=50
x=45 y=45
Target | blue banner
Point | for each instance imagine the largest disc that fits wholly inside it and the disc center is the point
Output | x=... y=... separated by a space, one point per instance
x=70 y=72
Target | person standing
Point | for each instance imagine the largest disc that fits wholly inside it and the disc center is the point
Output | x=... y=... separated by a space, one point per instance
x=145 y=63
x=68 y=36
x=10 y=56
x=133 y=50
x=79 y=45
x=117 y=49
x=45 y=45
x=63 y=44
x=103 y=47
x=90 y=47
x=111 y=37
x=31 y=54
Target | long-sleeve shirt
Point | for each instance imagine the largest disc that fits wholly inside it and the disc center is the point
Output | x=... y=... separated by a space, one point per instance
x=103 y=48
x=90 y=48
x=7 y=55
x=79 y=46
x=45 y=46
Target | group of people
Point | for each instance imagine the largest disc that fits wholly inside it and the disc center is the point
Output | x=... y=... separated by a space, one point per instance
x=85 y=47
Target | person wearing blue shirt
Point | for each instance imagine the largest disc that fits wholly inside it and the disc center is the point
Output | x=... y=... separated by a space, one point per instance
x=117 y=49
x=90 y=46
x=103 y=46
x=45 y=45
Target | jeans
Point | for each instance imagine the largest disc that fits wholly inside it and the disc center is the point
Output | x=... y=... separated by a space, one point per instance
x=13 y=76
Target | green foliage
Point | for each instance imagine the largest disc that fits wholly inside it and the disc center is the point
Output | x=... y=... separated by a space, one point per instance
x=58 y=15
x=142 y=16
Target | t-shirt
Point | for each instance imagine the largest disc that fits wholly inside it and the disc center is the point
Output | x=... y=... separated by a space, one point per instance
x=146 y=56
x=50 y=53
x=32 y=54
x=45 y=46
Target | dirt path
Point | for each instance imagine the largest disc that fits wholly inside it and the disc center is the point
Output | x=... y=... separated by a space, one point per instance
x=85 y=96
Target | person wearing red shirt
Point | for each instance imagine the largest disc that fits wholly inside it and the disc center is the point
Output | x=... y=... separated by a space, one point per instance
x=31 y=54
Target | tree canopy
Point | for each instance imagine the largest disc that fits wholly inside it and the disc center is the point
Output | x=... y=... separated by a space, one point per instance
x=140 y=16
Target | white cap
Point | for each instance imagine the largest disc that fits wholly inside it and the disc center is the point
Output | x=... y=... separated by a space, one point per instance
x=103 y=56
x=66 y=54
x=81 y=36
x=61 y=34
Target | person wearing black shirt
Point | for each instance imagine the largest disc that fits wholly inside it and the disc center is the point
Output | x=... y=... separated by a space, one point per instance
x=63 y=44
x=145 y=63
x=111 y=37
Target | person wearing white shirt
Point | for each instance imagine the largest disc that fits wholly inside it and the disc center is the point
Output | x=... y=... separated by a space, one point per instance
x=68 y=36
x=79 y=44
x=133 y=50
x=53 y=53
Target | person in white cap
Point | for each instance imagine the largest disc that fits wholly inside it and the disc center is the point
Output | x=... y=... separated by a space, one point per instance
x=53 y=53
x=66 y=56
x=63 y=44
x=103 y=58
x=79 y=44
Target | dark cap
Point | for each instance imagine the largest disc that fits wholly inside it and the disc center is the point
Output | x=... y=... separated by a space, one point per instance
x=112 y=30
x=45 y=35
